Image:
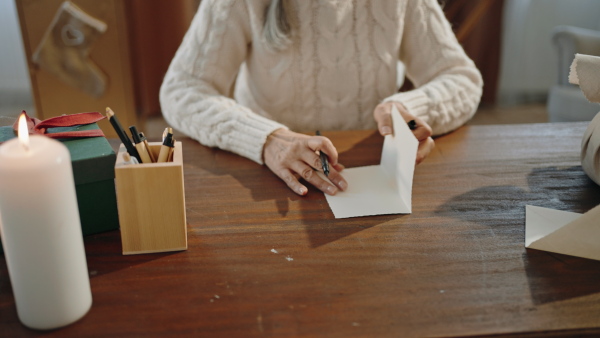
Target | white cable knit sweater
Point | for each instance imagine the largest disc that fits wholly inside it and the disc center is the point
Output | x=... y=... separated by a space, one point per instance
x=342 y=63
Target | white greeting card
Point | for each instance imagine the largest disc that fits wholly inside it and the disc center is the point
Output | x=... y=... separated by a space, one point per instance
x=385 y=188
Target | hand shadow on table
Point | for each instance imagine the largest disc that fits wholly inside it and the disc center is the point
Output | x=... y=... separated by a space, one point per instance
x=550 y=275
x=314 y=212
x=262 y=184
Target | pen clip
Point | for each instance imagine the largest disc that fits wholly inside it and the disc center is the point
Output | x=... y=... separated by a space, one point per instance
x=135 y=134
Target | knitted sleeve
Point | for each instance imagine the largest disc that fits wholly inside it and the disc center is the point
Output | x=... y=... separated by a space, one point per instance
x=448 y=85
x=194 y=93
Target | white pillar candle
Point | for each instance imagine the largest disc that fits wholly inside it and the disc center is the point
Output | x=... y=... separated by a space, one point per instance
x=41 y=232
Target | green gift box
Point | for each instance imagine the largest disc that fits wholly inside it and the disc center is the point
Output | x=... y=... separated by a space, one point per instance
x=93 y=162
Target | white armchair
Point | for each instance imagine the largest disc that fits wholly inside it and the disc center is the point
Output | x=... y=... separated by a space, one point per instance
x=566 y=101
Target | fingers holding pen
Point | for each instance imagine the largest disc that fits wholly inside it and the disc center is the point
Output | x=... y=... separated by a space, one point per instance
x=321 y=143
x=291 y=156
x=310 y=175
x=324 y=145
x=421 y=130
x=312 y=161
x=291 y=180
x=336 y=178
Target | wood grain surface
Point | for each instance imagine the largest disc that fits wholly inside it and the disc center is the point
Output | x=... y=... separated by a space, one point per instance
x=263 y=261
x=151 y=203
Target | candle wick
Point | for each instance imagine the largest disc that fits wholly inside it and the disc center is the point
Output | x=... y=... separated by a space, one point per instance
x=25 y=146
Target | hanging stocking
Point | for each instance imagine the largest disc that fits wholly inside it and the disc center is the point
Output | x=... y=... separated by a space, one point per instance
x=65 y=47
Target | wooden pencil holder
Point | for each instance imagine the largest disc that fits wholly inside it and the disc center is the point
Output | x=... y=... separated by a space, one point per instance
x=151 y=203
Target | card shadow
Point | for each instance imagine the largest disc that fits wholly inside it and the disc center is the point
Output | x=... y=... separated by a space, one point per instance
x=321 y=225
x=554 y=277
x=312 y=209
x=323 y=228
x=551 y=276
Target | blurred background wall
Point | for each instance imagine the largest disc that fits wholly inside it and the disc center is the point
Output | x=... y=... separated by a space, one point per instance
x=529 y=61
x=510 y=41
x=14 y=79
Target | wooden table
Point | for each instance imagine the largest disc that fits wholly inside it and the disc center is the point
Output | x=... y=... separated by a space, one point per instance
x=263 y=261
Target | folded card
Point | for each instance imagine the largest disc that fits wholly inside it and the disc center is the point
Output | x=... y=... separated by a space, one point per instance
x=385 y=188
x=563 y=232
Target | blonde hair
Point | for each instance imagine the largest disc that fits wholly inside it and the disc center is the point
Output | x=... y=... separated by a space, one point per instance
x=277 y=29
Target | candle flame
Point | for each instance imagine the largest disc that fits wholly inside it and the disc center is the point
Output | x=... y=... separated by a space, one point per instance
x=23 y=131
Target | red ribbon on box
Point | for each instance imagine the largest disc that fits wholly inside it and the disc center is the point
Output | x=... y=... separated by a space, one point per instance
x=37 y=126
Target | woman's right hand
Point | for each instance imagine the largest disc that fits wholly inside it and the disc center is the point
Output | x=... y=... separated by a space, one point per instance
x=292 y=155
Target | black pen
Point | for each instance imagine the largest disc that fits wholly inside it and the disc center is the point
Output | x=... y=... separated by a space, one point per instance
x=140 y=145
x=122 y=135
x=323 y=157
x=168 y=143
x=412 y=124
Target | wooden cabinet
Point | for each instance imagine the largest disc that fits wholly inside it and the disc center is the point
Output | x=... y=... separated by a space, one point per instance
x=110 y=52
x=157 y=28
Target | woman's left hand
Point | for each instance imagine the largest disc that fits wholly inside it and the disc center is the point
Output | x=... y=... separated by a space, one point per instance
x=383 y=116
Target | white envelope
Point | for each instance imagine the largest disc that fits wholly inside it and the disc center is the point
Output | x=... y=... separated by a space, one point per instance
x=563 y=232
x=385 y=188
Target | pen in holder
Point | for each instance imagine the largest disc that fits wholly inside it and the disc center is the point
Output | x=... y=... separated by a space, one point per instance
x=151 y=203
